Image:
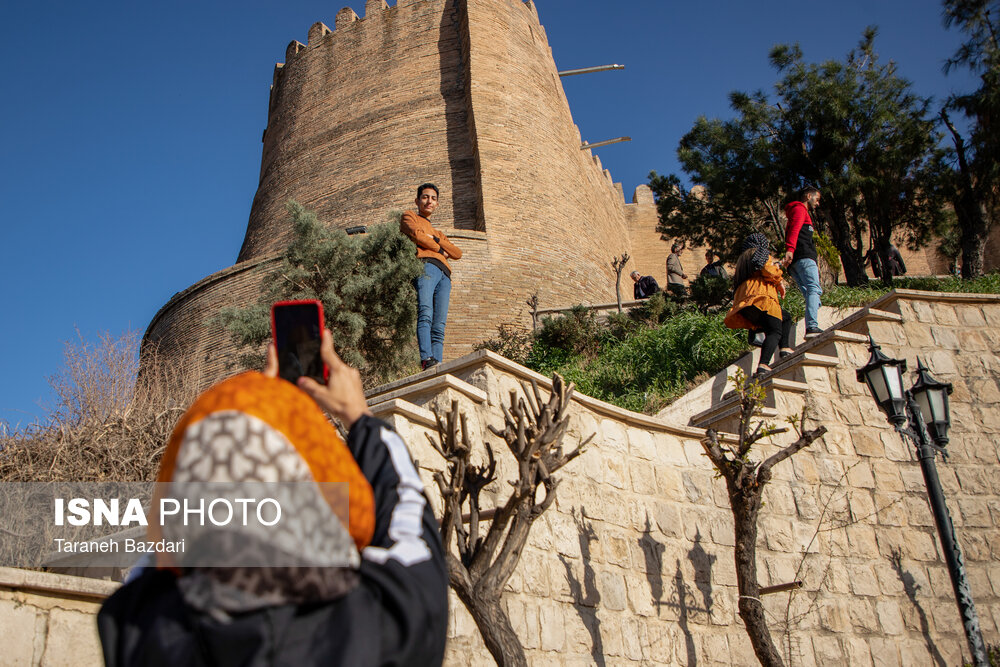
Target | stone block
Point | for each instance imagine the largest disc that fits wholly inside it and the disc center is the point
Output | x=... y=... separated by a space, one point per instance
x=667 y=519
x=972 y=341
x=779 y=500
x=891 y=509
x=887 y=476
x=838 y=441
x=671 y=450
x=804 y=465
x=641 y=444
x=859 y=475
x=896 y=448
x=834 y=615
x=828 y=651
x=830 y=471
x=670 y=482
x=616 y=471
x=19 y=626
x=716 y=648
x=640 y=593
x=531 y=637
x=632 y=641
x=553 y=623
x=642 y=475
x=613 y=436
x=985 y=391
x=975 y=513
x=970 y=315
x=862 y=541
x=778 y=533
x=941 y=363
x=858 y=652
x=863 y=617
x=71 y=640
x=805 y=502
x=884 y=652
x=867 y=443
x=863 y=580
x=889 y=617
x=918 y=335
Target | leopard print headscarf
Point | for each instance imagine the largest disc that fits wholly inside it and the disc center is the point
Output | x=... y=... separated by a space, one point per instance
x=249 y=433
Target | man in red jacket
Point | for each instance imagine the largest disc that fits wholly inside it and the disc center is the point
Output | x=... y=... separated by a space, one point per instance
x=800 y=254
x=434 y=286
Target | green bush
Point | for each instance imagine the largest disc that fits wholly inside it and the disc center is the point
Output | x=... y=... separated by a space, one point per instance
x=643 y=359
x=365 y=283
x=709 y=291
x=510 y=342
x=577 y=331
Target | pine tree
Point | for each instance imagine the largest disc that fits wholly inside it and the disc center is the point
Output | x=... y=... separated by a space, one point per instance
x=853 y=128
x=365 y=283
x=973 y=183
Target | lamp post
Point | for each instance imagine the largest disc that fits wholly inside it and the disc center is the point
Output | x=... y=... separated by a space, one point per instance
x=914 y=412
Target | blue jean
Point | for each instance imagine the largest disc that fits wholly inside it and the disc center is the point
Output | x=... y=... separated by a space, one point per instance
x=433 y=294
x=806 y=275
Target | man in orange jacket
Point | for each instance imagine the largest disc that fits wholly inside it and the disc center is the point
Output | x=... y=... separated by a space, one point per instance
x=434 y=286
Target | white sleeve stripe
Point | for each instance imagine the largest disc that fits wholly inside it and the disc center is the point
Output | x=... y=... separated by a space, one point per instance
x=406 y=522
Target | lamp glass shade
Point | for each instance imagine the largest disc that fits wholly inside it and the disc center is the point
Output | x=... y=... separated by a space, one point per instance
x=932 y=398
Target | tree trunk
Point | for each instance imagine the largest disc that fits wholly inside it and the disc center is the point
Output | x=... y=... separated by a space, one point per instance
x=850 y=255
x=751 y=609
x=969 y=210
x=491 y=619
x=972 y=220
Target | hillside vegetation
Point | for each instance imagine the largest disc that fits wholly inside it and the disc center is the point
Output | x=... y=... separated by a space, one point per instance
x=650 y=355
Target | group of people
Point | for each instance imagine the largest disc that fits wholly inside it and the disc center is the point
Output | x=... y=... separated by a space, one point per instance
x=646 y=286
x=758 y=282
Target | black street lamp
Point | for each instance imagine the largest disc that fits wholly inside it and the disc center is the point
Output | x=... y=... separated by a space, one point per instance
x=925 y=407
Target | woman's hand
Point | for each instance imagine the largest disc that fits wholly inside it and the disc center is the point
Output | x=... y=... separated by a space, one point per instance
x=342 y=396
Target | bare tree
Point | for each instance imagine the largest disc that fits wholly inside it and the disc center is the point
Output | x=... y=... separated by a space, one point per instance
x=533 y=431
x=618 y=264
x=745 y=481
x=533 y=304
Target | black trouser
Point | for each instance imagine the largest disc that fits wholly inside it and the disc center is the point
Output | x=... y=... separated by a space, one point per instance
x=776 y=332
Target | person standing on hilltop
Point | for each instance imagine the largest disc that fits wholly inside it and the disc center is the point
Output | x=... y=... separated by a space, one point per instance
x=434 y=286
x=675 y=272
x=800 y=254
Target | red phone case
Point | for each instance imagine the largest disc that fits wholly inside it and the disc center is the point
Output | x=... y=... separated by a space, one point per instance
x=322 y=325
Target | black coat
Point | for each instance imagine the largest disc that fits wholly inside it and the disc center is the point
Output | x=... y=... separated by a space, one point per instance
x=397 y=615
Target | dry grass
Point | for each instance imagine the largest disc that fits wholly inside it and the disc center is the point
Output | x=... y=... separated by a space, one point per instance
x=109 y=423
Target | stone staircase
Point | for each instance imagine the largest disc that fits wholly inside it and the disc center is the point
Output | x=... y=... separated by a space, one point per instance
x=715 y=405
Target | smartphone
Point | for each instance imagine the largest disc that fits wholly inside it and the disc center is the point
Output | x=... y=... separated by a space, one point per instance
x=297 y=327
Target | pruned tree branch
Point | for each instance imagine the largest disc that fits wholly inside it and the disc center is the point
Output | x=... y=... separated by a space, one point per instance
x=533 y=430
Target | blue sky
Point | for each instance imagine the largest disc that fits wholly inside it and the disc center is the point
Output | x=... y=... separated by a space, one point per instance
x=130 y=131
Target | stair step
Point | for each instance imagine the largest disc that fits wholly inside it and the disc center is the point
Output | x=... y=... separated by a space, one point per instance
x=865 y=315
x=433 y=385
x=706 y=422
x=411 y=411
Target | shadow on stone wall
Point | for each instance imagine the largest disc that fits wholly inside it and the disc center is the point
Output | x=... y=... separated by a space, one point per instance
x=684 y=600
x=585 y=594
x=652 y=551
x=910 y=586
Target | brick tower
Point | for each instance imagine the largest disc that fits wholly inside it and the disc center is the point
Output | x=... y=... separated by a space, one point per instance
x=463 y=93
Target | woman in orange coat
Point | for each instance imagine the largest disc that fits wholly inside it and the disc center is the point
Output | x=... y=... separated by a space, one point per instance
x=758 y=286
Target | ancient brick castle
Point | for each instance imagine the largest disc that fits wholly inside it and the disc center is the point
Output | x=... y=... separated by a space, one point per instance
x=463 y=93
